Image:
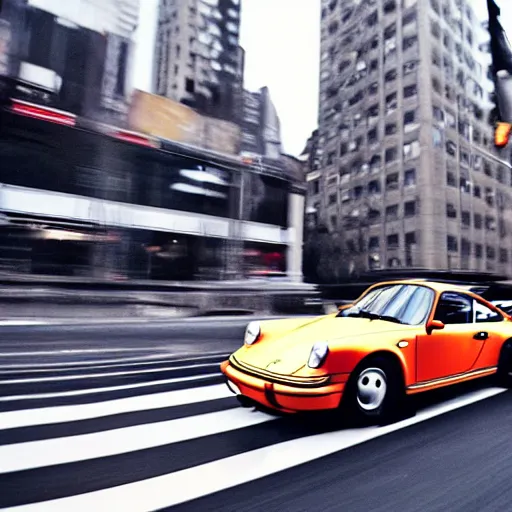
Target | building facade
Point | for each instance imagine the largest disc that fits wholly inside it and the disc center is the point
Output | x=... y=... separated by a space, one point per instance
x=261 y=127
x=198 y=60
x=409 y=175
x=79 y=53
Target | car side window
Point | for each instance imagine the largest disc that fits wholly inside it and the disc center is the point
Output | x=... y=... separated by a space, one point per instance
x=485 y=314
x=454 y=309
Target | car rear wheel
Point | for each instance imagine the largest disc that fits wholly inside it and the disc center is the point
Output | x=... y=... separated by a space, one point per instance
x=504 y=374
x=375 y=392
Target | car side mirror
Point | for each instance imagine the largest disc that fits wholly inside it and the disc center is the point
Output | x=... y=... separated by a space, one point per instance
x=434 y=325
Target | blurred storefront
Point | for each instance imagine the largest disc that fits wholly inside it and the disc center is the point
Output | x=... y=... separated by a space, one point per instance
x=82 y=199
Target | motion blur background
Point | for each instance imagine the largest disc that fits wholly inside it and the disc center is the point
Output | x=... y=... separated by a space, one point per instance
x=194 y=140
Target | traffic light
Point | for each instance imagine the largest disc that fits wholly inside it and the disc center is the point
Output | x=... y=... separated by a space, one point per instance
x=502 y=134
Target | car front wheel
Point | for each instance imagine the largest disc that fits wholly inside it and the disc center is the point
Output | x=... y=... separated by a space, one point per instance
x=375 y=392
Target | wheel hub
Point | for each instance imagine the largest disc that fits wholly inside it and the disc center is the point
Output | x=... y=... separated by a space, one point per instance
x=371 y=389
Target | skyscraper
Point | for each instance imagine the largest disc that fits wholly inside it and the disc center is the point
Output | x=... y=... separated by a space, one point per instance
x=198 y=58
x=409 y=175
x=80 y=52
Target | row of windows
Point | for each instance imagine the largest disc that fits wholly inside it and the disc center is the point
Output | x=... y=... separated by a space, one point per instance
x=479 y=221
x=491 y=196
x=467 y=249
x=474 y=161
x=374 y=187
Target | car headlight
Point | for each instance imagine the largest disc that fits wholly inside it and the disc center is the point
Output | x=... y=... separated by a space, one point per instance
x=318 y=354
x=252 y=333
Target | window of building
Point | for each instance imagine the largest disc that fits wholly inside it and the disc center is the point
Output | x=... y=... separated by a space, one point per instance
x=489 y=196
x=503 y=255
x=409 y=117
x=410 y=17
x=390 y=75
x=332 y=199
x=466 y=219
x=410 y=178
x=374 y=243
x=374 y=187
x=393 y=241
x=391 y=102
x=490 y=223
x=451 y=148
x=190 y=85
x=390 y=7
x=392 y=182
x=452 y=244
x=436 y=85
x=409 y=42
x=390 y=155
x=465 y=247
x=411 y=150
x=410 y=91
x=390 y=129
x=410 y=208
x=372 y=136
x=451 y=211
x=372 y=19
x=436 y=58
x=437 y=137
x=490 y=252
x=477 y=191
x=392 y=212
x=478 y=221
x=410 y=67
x=450 y=179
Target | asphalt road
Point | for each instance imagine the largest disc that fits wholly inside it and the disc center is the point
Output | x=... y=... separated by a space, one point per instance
x=158 y=430
x=69 y=342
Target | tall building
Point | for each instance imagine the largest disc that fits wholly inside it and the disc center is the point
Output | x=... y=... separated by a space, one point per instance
x=80 y=52
x=261 y=127
x=409 y=175
x=198 y=60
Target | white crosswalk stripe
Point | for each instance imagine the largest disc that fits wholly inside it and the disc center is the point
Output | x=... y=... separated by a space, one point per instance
x=144 y=452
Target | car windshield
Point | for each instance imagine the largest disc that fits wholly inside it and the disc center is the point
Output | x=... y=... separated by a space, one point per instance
x=403 y=304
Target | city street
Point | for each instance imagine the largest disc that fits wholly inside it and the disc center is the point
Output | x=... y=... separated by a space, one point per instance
x=136 y=417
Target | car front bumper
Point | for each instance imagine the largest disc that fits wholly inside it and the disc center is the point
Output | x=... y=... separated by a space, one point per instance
x=281 y=397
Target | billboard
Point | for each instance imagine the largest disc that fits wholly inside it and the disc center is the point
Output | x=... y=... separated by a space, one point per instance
x=168 y=119
x=164 y=118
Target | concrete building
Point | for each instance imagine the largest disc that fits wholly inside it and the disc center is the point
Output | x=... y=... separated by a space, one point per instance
x=79 y=52
x=409 y=174
x=198 y=60
x=261 y=127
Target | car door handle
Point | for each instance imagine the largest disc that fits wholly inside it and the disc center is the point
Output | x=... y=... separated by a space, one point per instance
x=482 y=335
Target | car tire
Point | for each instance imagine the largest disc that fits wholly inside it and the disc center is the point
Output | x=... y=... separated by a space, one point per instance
x=375 y=393
x=505 y=366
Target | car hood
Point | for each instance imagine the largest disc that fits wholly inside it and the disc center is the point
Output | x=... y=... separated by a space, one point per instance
x=288 y=352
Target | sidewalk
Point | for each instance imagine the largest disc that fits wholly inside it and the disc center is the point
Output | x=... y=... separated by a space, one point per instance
x=55 y=297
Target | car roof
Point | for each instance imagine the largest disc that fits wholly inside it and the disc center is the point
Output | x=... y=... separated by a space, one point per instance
x=438 y=286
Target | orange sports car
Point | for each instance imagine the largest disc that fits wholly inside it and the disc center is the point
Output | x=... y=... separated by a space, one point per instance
x=397 y=339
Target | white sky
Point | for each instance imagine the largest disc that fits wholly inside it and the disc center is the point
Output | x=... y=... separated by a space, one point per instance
x=282 y=43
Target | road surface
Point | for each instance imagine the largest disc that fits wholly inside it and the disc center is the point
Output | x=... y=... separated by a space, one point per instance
x=152 y=428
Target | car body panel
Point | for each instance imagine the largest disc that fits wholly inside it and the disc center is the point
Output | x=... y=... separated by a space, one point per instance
x=274 y=370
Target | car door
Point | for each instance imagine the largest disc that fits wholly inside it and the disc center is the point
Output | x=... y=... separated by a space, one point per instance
x=454 y=349
x=488 y=323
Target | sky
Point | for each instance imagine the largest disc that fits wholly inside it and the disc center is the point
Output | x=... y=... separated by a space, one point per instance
x=282 y=43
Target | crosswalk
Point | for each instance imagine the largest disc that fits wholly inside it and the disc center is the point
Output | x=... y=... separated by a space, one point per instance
x=148 y=434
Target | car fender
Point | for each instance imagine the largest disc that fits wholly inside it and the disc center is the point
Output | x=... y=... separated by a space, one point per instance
x=346 y=359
